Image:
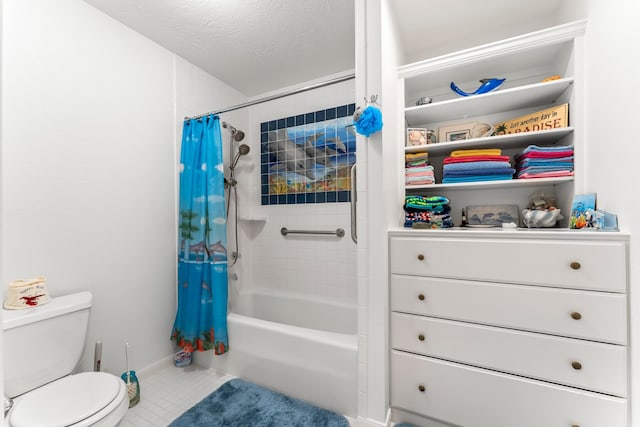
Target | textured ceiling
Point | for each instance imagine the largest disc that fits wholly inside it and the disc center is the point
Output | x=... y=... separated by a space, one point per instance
x=259 y=46
x=255 y=46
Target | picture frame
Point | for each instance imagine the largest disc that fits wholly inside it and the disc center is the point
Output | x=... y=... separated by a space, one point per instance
x=583 y=211
x=456 y=132
x=416 y=137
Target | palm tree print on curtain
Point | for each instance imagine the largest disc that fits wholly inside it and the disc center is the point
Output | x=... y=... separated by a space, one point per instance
x=201 y=318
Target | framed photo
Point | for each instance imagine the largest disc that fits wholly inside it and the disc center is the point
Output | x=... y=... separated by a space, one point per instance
x=416 y=137
x=458 y=132
x=583 y=211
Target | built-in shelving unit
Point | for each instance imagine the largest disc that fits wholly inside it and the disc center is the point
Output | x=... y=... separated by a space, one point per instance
x=524 y=62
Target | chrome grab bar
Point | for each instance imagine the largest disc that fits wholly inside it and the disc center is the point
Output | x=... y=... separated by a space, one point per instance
x=338 y=232
x=354 y=199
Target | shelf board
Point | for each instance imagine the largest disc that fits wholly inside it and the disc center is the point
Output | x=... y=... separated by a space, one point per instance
x=494 y=102
x=490 y=185
x=513 y=140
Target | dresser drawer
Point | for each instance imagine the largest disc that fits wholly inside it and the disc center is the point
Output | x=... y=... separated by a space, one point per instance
x=473 y=397
x=602 y=367
x=598 y=265
x=601 y=316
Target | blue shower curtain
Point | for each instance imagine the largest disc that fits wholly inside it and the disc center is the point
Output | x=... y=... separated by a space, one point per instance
x=201 y=318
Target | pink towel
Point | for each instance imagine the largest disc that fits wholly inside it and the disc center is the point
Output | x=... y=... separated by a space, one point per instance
x=475 y=159
x=551 y=174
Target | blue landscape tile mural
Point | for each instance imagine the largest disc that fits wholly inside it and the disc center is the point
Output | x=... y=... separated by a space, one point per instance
x=307 y=158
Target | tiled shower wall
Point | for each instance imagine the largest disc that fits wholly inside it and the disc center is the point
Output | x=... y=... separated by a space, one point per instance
x=311 y=266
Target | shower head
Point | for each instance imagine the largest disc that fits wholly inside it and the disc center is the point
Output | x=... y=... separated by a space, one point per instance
x=242 y=151
x=237 y=135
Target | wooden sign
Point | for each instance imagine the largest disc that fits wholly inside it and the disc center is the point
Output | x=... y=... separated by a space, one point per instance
x=551 y=118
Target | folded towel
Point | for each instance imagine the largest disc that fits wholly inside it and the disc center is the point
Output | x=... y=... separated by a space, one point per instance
x=420 y=169
x=478 y=152
x=552 y=174
x=416 y=156
x=465 y=166
x=543 y=169
x=420 y=182
x=536 y=152
x=538 y=149
x=455 y=179
x=475 y=159
x=480 y=172
x=423 y=202
x=536 y=155
x=26 y=293
x=563 y=161
x=427 y=220
x=438 y=204
x=416 y=164
x=419 y=175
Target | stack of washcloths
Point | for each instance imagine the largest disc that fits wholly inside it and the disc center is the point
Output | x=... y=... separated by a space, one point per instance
x=427 y=212
x=545 y=162
x=418 y=171
x=476 y=165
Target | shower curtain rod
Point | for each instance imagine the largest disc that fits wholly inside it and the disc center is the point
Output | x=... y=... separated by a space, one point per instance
x=279 y=95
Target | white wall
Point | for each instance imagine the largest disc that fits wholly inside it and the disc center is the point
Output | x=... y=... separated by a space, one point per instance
x=612 y=110
x=1 y=222
x=92 y=112
x=311 y=266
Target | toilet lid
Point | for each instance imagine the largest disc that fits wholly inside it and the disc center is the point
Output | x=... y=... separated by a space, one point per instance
x=65 y=401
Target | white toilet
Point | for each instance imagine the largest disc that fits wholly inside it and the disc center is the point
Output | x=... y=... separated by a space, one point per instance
x=42 y=346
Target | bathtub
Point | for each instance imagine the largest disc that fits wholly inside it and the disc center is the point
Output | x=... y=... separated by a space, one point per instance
x=301 y=347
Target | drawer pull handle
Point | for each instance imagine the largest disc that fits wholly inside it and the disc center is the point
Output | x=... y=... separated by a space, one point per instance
x=421 y=257
x=421 y=388
x=575 y=265
x=575 y=425
x=421 y=337
x=576 y=365
x=421 y=297
x=576 y=316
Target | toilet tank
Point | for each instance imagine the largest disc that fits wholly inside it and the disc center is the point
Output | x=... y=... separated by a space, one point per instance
x=44 y=343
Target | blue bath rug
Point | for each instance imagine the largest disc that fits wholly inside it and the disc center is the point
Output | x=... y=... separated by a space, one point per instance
x=239 y=403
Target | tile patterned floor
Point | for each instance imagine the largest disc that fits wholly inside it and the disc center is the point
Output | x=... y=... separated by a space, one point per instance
x=167 y=392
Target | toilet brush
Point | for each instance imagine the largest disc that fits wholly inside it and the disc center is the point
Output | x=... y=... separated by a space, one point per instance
x=129 y=377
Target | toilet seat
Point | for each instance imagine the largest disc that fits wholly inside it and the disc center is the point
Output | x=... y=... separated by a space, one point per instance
x=69 y=400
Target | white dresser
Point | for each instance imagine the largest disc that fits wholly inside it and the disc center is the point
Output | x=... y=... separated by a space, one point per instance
x=510 y=328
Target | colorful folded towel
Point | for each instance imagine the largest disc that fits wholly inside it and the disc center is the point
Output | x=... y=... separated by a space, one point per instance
x=482 y=172
x=543 y=169
x=476 y=166
x=427 y=220
x=419 y=170
x=477 y=152
x=425 y=202
x=536 y=152
x=456 y=179
x=552 y=174
x=475 y=159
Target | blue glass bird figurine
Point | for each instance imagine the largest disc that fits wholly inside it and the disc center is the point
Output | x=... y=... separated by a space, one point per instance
x=487 y=85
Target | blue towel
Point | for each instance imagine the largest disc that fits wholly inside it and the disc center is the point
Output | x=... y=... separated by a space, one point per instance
x=476 y=178
x=480 y=172
x=537 y=149
x=528 y=162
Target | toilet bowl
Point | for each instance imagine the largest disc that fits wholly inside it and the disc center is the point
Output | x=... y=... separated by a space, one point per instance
x=43 y=345
x=86 y=399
